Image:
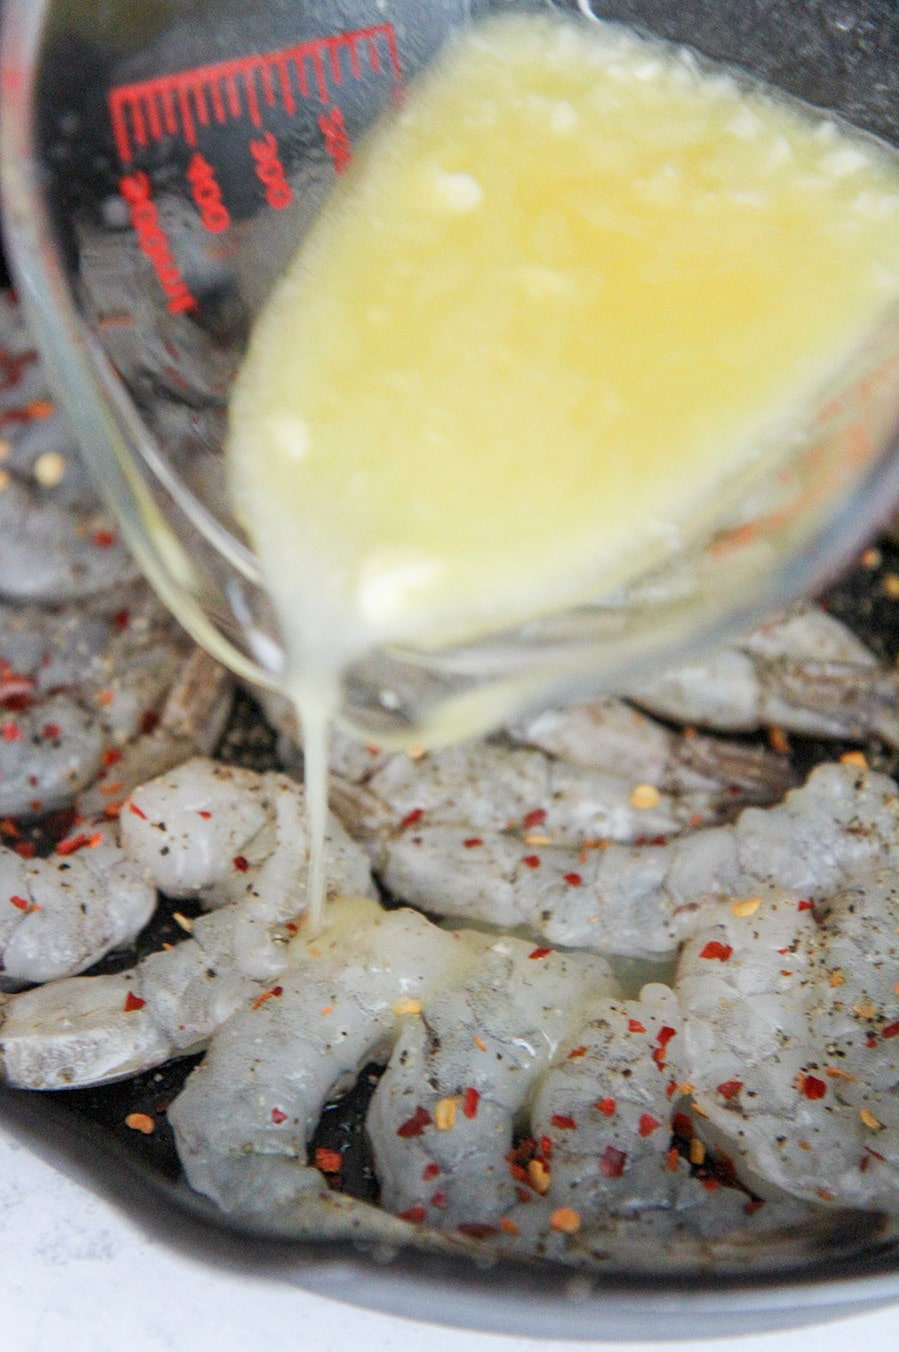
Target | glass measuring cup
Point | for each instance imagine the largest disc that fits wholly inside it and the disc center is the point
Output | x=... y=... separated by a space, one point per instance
x=161 y=163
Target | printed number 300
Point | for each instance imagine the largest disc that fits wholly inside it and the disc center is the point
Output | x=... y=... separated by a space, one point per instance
x=270 y=172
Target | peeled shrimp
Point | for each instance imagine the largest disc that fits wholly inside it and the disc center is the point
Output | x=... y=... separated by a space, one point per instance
x=487 y=786
x=792 y=1039
x=643 y=900
x=56 y=543
x=612 y=736
x=233 y=839
x=62 y=914
x=805 y=672
x=483 y=1038
x=95 y=697
x=390 y=986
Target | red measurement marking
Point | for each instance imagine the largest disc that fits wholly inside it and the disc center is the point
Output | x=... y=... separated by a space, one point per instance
x=174 y=104
x=270 y=172
x=337 y=143
x=207 y=194
x=137 y=192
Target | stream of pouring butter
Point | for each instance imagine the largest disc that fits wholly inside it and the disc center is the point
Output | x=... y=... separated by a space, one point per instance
x=575 y=284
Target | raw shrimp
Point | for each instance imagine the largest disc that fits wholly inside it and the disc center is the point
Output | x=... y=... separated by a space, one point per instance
x=792 y=1039
x=487 y=786
x=645 y=899
x=232 y=838
x=62 y=914
x=56 y=543
x=224 y=835
x=698 y=777
x=388 y=986
x=481 y=1036
x=805 y=672
x=90 y=663
x=610 y=735
x=96 y=696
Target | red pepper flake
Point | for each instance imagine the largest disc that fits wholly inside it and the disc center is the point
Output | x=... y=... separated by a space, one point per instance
x=415 y=1125
x=563 y=1122
x=470 y=1100
x=132 y=807
x=635 y=1026
x=870 y=1041
x=39 y=409
x=572 y=879
x=812 y=1087
x=414 y=1214
x=267 y=995
x=518 y=1172
x=430 y=1171
x=74 y=843
x=672 y=1159
x=606 y=1106
x=26 y=849
x=205 y=815
x=612 y=1162
x=648 y=1124
x=546 y=1148
x=51 y=731
x=539 y=953
x=524 y=1195
x=710 y=1184
x=532 y=819
x=440 y=1200
x=682 y=1124
x=659 y=1057
x=477 y=1229
x=890 y=1030
x=240 y=863
x=11 y=732
x=12 y=366
x=531 y=860
x=111 y=756
x=121 y=619
x=664 y=1035
x=104 y=539
x=133 y=1002
x=472 y=842
x=411 y=818
x=670 y=1087
x=20 y=903
x=576 y=1053
x=804 y=905
x=729 y=1089
x=715 y=949
x=279 y=1116
x=329 y=1161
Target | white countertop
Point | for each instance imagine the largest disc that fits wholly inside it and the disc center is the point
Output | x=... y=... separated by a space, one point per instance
x=81 y=1275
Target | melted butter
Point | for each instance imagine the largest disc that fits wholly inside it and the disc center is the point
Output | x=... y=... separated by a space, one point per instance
x=558 y=301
